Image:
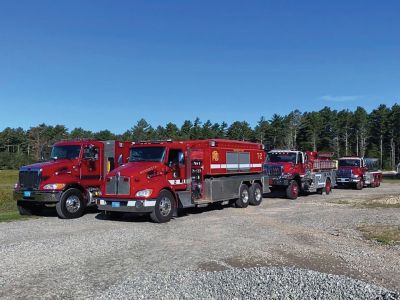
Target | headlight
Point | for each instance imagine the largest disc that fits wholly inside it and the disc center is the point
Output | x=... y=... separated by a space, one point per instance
x=54 y=186
x=144 y=193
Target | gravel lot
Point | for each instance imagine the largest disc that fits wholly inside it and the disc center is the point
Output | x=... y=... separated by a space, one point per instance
x=283 y=249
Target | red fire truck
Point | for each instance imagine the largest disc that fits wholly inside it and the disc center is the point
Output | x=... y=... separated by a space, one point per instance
x=359 y=172
x=70 y=179
x=162 y=177
x=296 y=171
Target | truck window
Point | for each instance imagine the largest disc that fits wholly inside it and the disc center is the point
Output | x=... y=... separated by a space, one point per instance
x=139 y=154
x=300 y=158
x=349 y=163
x=281 y=157
x=65 y=152
x=176 y=156
x=91 y=152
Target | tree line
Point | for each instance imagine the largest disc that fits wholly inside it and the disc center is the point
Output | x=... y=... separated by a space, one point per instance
x=344 y=132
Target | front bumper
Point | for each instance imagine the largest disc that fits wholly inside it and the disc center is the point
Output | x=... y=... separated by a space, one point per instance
x=347 y=180
x=37 y=196
x=279 y=181
x=126 y=205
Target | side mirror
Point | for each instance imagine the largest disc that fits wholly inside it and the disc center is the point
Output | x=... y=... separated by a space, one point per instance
x=120 y=160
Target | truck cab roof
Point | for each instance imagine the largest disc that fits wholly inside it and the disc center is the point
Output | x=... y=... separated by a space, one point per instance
x=283 y=151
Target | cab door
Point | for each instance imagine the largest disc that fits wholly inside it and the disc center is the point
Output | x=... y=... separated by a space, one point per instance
x=176 y=171
x=90 y=171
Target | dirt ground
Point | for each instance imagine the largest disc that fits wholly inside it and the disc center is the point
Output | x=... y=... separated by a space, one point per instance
x=49 y=257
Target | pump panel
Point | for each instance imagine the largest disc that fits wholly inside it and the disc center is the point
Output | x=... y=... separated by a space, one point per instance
x=197 y=179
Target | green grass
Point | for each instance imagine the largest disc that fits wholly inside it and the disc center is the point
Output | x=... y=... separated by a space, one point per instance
x=8 y=216
x=341 y=202
x=8 y=177
x=392 y=180
x=8 y=207
x=384 y=234
x=380 y=204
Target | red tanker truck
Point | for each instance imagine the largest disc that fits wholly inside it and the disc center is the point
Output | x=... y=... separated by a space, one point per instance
x=358 y=172
x=296 y=171
x=70 y=179
x=162 y=177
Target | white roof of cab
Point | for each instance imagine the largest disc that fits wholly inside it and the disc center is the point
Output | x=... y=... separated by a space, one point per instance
x=282 y=150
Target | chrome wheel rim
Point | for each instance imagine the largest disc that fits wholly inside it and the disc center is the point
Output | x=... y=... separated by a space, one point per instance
x=165 y=206
x=257 y=195
x=245 y=196
x=73 y=204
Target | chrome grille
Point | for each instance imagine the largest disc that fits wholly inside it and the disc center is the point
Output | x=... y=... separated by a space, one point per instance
x=344 y=173
x=123 y=186
x=29 y=179
x=111 y=185
x=118 y=185
x=273 y=171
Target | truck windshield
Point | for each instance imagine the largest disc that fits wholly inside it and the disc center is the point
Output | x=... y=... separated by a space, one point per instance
x=65 y=152
x=147 y=154
x=349 y=163
x=282 y=157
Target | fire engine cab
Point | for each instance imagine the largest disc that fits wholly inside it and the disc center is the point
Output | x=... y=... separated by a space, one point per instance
x=359 y=172
x=164 y=176
x=70 y=179
x=296 y=171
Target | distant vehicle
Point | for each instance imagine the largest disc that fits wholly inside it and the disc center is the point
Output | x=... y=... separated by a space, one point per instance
x=161 y=177
x=358 y=172
x=70 y=179
x=295 y=171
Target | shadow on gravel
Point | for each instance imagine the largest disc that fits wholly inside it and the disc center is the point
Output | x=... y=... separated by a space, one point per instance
x=182 y=213
x=50 y=211
x=123 y=217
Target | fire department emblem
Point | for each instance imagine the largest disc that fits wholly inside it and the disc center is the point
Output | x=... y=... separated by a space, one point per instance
x=215 y=155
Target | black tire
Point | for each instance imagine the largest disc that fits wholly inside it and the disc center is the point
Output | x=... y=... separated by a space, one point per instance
x=359 y=185
x=292 y=191
x=29 y=209
x=164 y=208
x=244 y=197
x=71 y=204
x=255 y=194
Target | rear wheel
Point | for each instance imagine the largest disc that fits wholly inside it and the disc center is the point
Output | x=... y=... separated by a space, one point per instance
x=292 y=191
x=164 y=208
x=244 y=197
x=255 y=194
x=71 y=204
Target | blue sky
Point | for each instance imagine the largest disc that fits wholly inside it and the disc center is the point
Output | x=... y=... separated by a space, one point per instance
x=106 y=64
